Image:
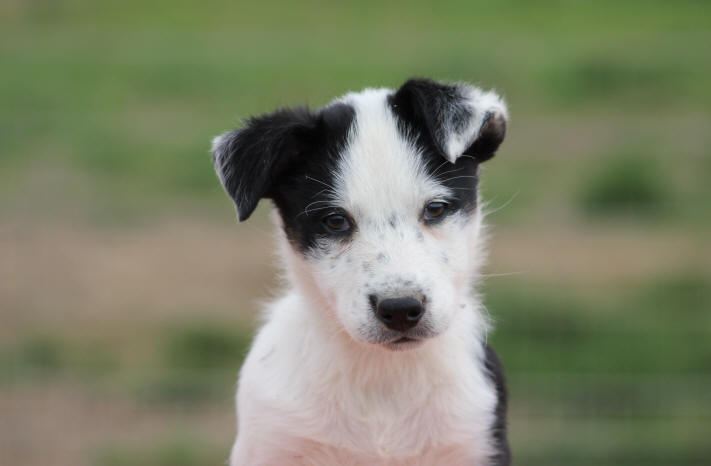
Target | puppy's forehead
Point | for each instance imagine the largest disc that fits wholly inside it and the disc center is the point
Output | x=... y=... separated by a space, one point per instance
x=381 y=169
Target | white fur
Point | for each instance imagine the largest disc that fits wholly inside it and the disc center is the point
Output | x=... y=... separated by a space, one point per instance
x=217 y=143
x=318 y=386
x=481 y=103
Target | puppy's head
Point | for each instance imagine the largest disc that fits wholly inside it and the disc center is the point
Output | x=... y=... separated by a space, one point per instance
x=377 y=194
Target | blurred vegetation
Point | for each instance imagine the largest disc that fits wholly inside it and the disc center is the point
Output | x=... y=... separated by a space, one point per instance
x=199 y=363
x=600 y=286
x=201 y=347
x=41 y=356
x=626 y=185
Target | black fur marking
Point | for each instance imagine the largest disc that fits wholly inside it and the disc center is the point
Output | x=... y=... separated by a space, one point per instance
x=417 y=105
x=251 y=159
x=426 y=109
x=433 y=108
x=289 y=156
x=439 y=109
x=495 y=371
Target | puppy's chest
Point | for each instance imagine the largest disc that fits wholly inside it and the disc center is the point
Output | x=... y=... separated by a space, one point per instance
x=312 y=454
x=399 y=420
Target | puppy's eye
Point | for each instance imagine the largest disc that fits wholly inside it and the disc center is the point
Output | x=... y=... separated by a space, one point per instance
x=435 y=210
x=337 y=223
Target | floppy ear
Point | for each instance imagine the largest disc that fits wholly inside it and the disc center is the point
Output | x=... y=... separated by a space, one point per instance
x=249 y=160
x=459 y=118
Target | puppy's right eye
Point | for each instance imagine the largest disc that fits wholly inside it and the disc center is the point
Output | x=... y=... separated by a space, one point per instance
x=337 y=223
x=435 y=210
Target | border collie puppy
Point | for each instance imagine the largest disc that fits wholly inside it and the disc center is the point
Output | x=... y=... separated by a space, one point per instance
x=376 y=352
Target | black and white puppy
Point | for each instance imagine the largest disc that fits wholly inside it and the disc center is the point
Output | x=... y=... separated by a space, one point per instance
x=376 y=352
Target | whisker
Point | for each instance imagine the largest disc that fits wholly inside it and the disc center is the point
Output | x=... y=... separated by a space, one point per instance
x=319 y=181
x=451 y=171
x=440 y=166
x=457 y=177
x=504 y=274
x=316 y=202
x=320 y=192
x=308 y=211
x=505 y=204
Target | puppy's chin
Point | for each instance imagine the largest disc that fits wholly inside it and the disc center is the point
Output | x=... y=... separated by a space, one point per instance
x=394 y=345
x=405 y=344
x=380 y=338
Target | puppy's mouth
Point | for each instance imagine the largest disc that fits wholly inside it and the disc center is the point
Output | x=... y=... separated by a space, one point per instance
x=403 y=340
x=403 y=343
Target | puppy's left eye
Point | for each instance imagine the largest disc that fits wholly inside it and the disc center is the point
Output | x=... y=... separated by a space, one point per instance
x=336 y=223
x=435 y=210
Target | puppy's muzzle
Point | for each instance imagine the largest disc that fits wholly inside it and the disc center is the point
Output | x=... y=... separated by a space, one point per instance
x=399 y=314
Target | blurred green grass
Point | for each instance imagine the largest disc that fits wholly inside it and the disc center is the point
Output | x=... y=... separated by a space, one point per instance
x=625 y=185
x=106 y=112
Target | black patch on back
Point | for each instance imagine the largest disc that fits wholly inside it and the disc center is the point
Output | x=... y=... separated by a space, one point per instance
x=495 y=371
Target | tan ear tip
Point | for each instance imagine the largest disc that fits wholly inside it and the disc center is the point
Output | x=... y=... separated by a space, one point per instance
x=494 y=125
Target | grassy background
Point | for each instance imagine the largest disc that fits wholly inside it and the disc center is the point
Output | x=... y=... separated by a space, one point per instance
x=128 y=294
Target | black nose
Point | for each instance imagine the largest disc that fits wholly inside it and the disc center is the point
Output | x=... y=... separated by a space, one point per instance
x=399 y=313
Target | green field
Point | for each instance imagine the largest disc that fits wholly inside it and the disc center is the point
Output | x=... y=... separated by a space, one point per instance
x=128 y=292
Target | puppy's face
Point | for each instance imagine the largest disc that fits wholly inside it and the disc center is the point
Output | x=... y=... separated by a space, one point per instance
x=377 y=194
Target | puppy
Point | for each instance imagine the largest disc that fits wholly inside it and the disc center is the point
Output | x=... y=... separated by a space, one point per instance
x=376 y=352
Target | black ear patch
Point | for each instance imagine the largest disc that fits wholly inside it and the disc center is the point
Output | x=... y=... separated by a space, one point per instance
x=250 y=160
x=456 y=119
